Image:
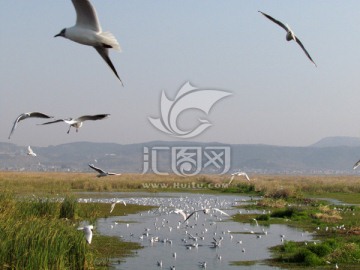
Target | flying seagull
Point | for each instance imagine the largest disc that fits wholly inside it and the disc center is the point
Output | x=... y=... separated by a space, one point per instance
x=31 y=152
x=87 y=232
x=78 y=122
x=289 y=34
x=87 y=31
x=238 y=174
x=101 y=172
x=27 y=115
x=114 y=203
x=206 y=211
x=357 y=164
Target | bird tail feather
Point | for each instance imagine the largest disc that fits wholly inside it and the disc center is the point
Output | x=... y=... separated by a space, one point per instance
x=110 y=40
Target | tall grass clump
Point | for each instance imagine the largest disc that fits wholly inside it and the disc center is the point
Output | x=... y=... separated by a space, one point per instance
x=68 y=207
x=33 y=237
x=42 y=244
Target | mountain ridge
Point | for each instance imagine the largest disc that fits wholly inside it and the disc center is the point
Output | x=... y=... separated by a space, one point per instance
x=331 y=155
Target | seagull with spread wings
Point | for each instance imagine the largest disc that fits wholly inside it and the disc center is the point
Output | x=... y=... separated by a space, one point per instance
x=78 y=122
x=114 y=203
x=101 y=172
x=87 y=31
x=87 y=232
x=206 y=211
x=289 y=34
x=238 y=174
x=31 y=152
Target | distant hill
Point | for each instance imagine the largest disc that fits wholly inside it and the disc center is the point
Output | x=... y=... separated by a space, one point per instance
x=335 y=155
x=338 y=141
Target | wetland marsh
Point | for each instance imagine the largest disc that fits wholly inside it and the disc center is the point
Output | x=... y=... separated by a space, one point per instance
x=318 y=233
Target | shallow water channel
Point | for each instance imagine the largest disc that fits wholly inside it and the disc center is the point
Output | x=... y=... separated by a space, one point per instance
x=187 y=245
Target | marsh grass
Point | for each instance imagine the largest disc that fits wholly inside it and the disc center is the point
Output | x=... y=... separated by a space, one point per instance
x=56 y=244
x=40 y=233
x=345 y=188
x=337 y=229
x=33 y=237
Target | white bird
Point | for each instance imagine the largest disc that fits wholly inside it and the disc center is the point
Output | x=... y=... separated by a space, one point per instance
x=87 y=232
x=87 y=31
x=356 y=165
x=238 y=174
x=289 y=34
x=114 y=203
x=25 y=116
x=78 y=122
x=101 y=172
x=159 y=263
x=257 y=224
x=31 y=152
x=181 y=212
x=202 y=264
x=206 y=211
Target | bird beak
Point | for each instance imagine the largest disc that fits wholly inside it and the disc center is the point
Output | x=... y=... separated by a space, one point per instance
x=58 y=35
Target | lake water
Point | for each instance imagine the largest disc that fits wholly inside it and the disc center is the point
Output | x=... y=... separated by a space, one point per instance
x=187 y=245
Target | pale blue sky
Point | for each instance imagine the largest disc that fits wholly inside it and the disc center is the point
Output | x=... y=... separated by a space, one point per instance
x=279 y=97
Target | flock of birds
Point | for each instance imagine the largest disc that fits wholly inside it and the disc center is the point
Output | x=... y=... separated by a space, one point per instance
x=87 y=31
x=195 y=228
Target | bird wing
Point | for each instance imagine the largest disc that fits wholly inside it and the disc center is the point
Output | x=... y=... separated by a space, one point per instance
x=245 y=174
x=27 y=115
x=121 y=201
x=305 y=51
x=356 y=165
x=181 y=212
x=275 y=21
x=222 y=212
x=88 y=234
x=112 y=206
x=51 y=122
x=39 y=115
x=110 y=173
x=92 y=117
x=189 y=216
x=96 y=169
x=31 y=152
x=104 y=52
x=232 y=178
x=86 y=15
x=19 y=118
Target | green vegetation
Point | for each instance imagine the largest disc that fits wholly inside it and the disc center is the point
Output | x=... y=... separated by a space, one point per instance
x=336 y=229
x=41 y=234
x=54 y=242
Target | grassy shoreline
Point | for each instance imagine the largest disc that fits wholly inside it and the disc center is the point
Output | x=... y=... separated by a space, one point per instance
x=344 y=188
x=294 y=200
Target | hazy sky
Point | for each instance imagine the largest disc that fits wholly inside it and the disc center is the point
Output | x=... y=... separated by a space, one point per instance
x=278 y=96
